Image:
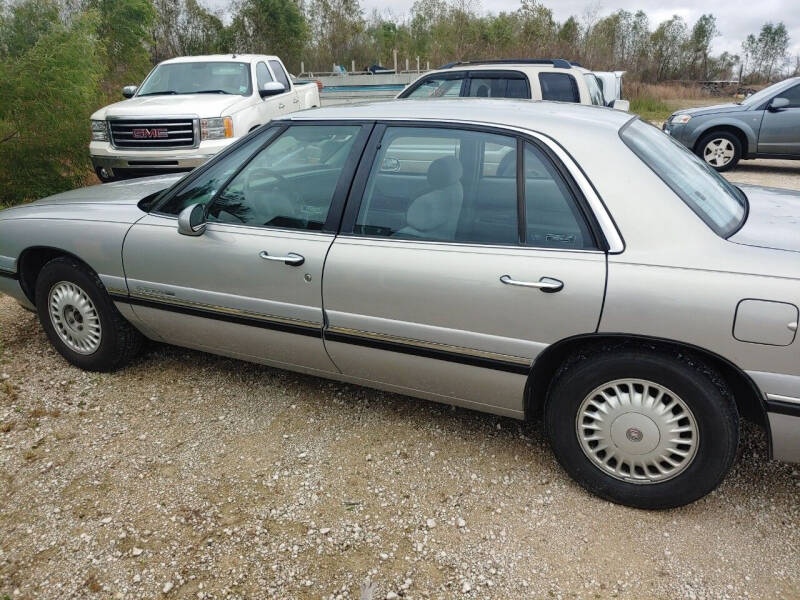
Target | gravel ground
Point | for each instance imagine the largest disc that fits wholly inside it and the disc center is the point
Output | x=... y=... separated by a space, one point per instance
x=193 y=476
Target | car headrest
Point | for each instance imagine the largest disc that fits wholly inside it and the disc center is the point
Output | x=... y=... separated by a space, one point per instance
x=443 y=172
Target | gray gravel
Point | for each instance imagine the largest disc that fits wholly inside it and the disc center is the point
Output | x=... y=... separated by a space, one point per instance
x=192 y=476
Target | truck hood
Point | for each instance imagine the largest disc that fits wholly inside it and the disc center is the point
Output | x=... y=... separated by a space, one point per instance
x=711 y=110
x=773 y=220
x=201 y=105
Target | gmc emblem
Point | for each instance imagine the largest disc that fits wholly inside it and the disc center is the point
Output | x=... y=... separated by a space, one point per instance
x=143 y=133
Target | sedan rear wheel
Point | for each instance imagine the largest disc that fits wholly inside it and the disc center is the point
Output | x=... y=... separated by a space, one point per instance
x=720 y=150
x=642 y=428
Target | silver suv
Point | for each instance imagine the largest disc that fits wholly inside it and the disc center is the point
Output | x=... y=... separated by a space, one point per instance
x=633 y=297
x=764 y=125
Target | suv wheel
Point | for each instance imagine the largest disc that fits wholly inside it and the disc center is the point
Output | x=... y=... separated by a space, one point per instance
x=80 y=318
x=720 y=150
x=642 y=429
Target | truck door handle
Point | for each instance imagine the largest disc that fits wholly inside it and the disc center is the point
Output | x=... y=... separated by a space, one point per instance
x=292 y=259
x=295 y=100
x=548 y=285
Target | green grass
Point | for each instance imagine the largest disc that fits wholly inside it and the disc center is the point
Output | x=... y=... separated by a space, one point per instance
x=650 y=108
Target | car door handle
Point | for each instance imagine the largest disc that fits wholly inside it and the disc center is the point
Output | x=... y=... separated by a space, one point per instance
x=295 y=100
x=292 y=259
x=548 y=285
x=281 y=105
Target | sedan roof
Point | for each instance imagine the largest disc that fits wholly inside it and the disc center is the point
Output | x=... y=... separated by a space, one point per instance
x=551 y=118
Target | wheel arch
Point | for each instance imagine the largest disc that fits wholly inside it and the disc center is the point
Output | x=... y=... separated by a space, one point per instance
x=749 y=399
x=30 y=264
x=740 y=133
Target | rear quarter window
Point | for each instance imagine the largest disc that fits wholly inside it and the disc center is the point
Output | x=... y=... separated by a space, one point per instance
x=559 y=87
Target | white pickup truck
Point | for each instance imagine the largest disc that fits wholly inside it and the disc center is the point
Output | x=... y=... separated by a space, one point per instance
x=188 y=109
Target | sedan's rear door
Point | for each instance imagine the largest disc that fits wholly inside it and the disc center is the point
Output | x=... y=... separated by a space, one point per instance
x=449 y=285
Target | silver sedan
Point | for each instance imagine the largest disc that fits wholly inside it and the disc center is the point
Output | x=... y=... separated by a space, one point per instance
x=519 y=258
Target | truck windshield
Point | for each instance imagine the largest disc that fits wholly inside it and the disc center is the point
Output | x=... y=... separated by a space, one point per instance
x=721 y=205
x=198 y=78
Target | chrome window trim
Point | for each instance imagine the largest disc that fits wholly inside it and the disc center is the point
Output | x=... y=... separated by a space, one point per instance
x=372 y=240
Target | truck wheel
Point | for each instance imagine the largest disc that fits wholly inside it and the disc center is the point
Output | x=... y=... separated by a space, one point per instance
x=104 y=175
x=720 y=150
x=80 y=319
x=641 y=428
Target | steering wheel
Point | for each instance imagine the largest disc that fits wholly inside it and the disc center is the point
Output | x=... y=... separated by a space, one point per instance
x=283 y=201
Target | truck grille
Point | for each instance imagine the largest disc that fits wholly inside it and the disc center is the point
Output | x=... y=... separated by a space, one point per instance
x=150 y=134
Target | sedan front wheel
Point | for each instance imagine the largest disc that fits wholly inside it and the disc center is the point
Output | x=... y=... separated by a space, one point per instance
x=641 y=428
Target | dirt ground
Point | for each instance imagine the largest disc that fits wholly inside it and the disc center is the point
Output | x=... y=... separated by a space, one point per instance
x=191 y=476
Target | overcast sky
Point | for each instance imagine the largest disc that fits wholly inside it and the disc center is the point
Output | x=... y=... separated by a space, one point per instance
x=735 y=18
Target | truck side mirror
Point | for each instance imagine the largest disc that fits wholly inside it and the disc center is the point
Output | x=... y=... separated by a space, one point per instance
x=624 y=105
x=129 y=90
x=778 y=103
x=271 y=88
x=192 y=220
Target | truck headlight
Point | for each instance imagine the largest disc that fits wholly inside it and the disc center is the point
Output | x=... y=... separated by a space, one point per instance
x=99 y=131
x=681 y=119
x=216 y=129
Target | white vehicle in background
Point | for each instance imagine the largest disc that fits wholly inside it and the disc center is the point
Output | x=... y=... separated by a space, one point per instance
x=554 y=79
x=611 y=85
x=188 y=109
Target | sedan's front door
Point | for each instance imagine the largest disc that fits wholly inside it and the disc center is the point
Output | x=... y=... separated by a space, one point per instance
x=780 y=127
x=250 y=284
x=449 y=280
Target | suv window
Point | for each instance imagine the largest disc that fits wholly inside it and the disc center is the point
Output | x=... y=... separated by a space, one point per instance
x=793 y=95
x=498 y=87
x=436 y=86
x=205 y=186
x=262 y=75
x=280 y=74
x=559 y=86
x=291 y=182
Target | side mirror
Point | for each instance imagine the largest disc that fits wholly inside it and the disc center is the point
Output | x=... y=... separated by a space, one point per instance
x=129 y=90
x=192 y=220
x=271 y=89
x=778 y=103
x=624 y=105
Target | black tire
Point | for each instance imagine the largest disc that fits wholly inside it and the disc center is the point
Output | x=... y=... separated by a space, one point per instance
x=103 y=176
x=700 y=388
x=702 y=148
x=119 y=340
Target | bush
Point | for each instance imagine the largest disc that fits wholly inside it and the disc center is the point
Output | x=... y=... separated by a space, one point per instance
x=45 y=99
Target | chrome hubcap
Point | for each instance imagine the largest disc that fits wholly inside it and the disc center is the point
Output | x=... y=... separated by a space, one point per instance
x=718 y=152
x=74 y=317
x=637 y=431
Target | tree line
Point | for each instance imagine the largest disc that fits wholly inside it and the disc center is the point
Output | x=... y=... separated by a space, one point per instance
x=61 y=59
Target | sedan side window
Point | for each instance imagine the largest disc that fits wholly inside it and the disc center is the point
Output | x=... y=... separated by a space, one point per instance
x=559 y=86
x=442 y=185
x=205 y=186
x=553 y=217
x=290 y=183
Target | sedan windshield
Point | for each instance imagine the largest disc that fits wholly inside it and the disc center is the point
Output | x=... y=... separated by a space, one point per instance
x=721 y=205
x=198 y=78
